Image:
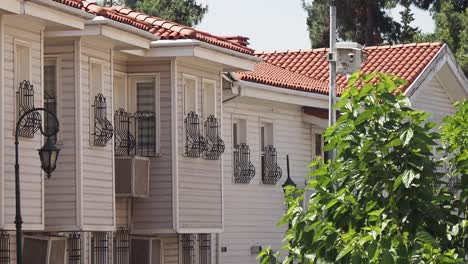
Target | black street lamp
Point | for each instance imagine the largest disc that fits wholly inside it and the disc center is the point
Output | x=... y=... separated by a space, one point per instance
x=289 y=182
x=48 y=155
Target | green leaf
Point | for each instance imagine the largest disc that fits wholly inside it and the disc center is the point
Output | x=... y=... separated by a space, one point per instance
x=408 y=177
x=398 y=182
x=387 y=258
x=406 y=136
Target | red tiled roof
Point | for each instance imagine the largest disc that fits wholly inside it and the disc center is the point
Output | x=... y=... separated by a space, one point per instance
x=265 y=73
x=406 y=61
x=163 y=28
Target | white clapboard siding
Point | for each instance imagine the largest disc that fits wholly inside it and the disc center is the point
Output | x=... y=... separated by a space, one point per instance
x=60 y=189
x=122 y=207
x=97 y=162
x=252 y=211
x=32 y=179
x=199 y=180
x=170 y=248
x=432 y=98
x=155 y=212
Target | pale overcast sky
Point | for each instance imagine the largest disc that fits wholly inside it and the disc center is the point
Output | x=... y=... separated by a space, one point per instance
x=272 y=24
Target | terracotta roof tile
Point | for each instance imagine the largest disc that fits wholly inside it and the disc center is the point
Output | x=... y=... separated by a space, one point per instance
x=163 y=28
x=265 y=73
x=406 y=61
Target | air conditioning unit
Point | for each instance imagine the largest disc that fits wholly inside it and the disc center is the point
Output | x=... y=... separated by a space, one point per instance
x=146 y=250
x=44 y=250
x=132 y=176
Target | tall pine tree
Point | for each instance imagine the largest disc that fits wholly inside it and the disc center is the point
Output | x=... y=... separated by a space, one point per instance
x=408 y=33
x=363 y=21
x=185 y=12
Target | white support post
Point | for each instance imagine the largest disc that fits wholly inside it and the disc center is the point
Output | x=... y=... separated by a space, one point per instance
x=332 y=81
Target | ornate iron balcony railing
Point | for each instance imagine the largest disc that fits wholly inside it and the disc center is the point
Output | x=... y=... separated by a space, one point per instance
x=135 y=134
x=244 y=170
x=271 y=171
x=103 y=129
x=4 y=247
x=74 y=248
x=214 y=144
x=25 y=100
x=195 y=143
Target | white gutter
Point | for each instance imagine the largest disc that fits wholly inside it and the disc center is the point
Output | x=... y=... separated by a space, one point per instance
x=285 y=91
x=100 y=20
x=65 y=8
x=197 y=43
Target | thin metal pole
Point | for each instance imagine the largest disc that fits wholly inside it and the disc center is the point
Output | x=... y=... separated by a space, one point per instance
x=18 y=218
x=332 y=81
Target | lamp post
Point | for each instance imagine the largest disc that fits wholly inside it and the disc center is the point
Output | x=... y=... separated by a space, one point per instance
x=289 y=182
x=48 y=155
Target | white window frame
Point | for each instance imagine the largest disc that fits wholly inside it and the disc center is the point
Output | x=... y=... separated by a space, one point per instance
x=210 y=82
x=92 y=96
x=57 y=62
x=316 y=131
x=150 y=240
x=237 y=119
x=260 y=125
x=186 y=77
x=18 y=42
x=132 y=80
x=125 y=78
x=49 y=244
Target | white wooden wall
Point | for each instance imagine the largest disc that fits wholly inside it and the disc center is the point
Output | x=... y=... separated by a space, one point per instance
x=155 y=213
x=32 y=179
x=252 y=211
x=60 y=189
x=433 y=98
x=199 y=181
x=97 y=162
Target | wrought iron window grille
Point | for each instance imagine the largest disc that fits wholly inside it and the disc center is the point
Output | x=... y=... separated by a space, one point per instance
x=135 y=134
x=103 y=129
x=204 y=241
x=188 y=248
x=195 y=143
x=100 y=248
x=74 y=248
x=271 y=171
x=4 y=247
x=25 y=99
x=244 y=170
x=214 y=144
x=121 y=246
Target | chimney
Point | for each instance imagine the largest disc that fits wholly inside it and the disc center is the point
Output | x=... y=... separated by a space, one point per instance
x=241 y=40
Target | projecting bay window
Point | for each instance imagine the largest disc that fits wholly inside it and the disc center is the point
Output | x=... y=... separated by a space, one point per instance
x=271 y=171
x=214 y=144
x=51 y=94
x=136 y=114
x=101 y=130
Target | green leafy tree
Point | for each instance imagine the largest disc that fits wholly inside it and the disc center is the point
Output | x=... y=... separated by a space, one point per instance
x=363 y=21
x=455 y=143
x=408 y=33
x=452 y=28
x=185 y=12
x=383 y=200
